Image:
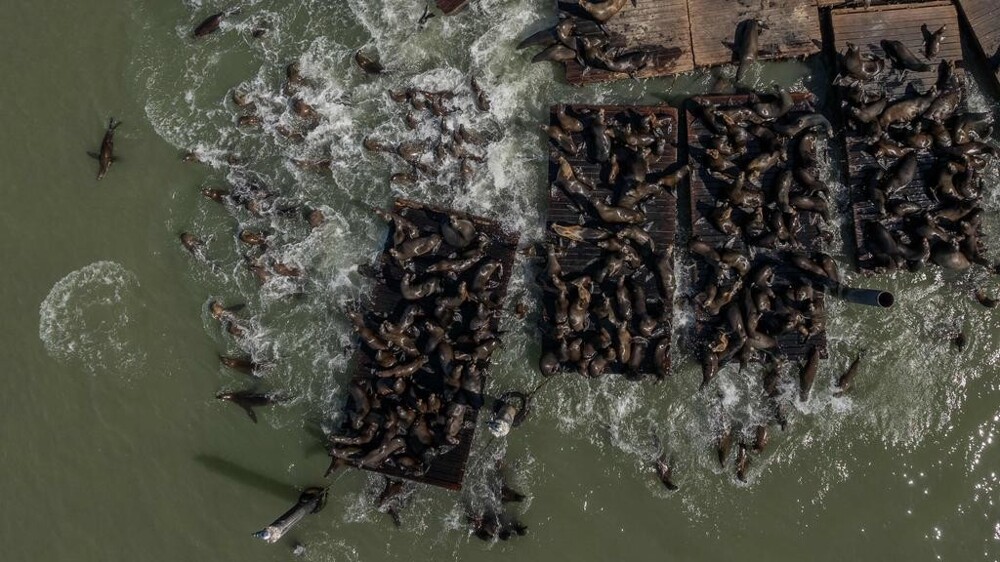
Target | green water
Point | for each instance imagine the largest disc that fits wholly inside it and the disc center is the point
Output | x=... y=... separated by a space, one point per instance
x=114 y=449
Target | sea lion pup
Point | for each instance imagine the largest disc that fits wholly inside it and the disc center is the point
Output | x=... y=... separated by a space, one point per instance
x=846 y=380
x=107 y=153
x=248 y=400
x=367 y=64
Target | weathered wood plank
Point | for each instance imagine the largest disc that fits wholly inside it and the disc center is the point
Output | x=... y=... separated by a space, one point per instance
x=658 y=24
x=792 y=28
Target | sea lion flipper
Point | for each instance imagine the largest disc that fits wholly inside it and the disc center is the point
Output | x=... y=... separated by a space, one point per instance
x=94 y=155
x=251 y=413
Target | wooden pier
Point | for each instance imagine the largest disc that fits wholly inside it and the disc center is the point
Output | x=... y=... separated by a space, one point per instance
x=705 y=189
x=983 y=19
x=658 y=24
x=448 y=469
x=791 y=28
x=661 y=211
x=866 y=28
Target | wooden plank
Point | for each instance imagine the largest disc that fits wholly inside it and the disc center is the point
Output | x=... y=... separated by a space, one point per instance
x=661 y=213
x=792 y=28
x=705 y=194
x=983 y=18
x=451 y=6
x=661 y=25
x=447 y=470
x=866 y=28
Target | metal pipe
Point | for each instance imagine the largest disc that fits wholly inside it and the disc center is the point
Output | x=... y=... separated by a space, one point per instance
x=870 y=297
x=310 y=501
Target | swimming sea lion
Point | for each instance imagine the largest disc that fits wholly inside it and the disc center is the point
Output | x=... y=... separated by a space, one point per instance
x=845 y=382
x=482 y=101
x=245 y=366
x=367 y=64
x=808 y=374
x=985 y=300
x=664 y=471
x=249 y=400
x=192 y=243
x=106 y=155
x=211 y=23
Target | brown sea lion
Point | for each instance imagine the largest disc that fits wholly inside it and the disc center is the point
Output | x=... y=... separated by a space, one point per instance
x=368 y=64
x=106 y=155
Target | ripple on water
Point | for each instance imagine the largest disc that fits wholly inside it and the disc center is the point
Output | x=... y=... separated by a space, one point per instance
x=88 y=320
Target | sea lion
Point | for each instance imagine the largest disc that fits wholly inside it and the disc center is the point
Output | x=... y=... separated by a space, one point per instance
x=745 y=46
x=555 y=53
x=211 y=24
x=107 y=153
x=932 y=41
x=192 y=243
x=808 y=374
x=221 y=196
x=846 y=380
x=249 y=400
x=664 y=471
x=983 y=299
x=245 y=366
x=249 y=121
x=860 y=68
x=482 y=101
x=742 y=463
x=903 y=57
x=368 y=64
x=252 y=238
x=601 y=12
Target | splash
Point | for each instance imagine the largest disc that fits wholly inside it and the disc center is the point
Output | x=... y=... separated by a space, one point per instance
x=88 y=320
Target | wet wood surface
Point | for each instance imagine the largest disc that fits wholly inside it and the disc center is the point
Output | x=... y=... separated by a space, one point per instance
x=659 y=25
x=791 y=28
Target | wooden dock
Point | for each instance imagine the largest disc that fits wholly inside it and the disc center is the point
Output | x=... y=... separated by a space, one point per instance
x=658 y=24
x=792 y=28
x=866 y=28
x=448 y=469
x=449 y=7
x=661 y=212
x=983 y=19
x=705 y=190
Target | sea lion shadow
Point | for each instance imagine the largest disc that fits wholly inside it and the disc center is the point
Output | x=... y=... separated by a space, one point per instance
x=248 y=477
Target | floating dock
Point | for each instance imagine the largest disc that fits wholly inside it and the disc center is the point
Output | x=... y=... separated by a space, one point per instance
x=791 y=28
x=866 y=28
x=983 y=20
x=658 y=24
x=661 y=211
x=704 y=189
x=449 y=7
x=448 y=469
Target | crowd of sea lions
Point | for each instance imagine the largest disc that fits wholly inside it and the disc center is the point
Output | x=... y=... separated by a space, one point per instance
x=758 y=225
x=456 y=148
x=927 y=152
x=612 y=313
x=582 y=35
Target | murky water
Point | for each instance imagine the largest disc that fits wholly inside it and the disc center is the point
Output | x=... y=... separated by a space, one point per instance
x=114 y=449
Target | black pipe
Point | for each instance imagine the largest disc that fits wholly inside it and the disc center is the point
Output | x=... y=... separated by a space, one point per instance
x=870 y=297
x=311 y=501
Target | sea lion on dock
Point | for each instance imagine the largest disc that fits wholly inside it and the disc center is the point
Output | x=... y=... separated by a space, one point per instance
x=932 y=41
x=602 y=12
x=903 y=57
x=106 y=155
